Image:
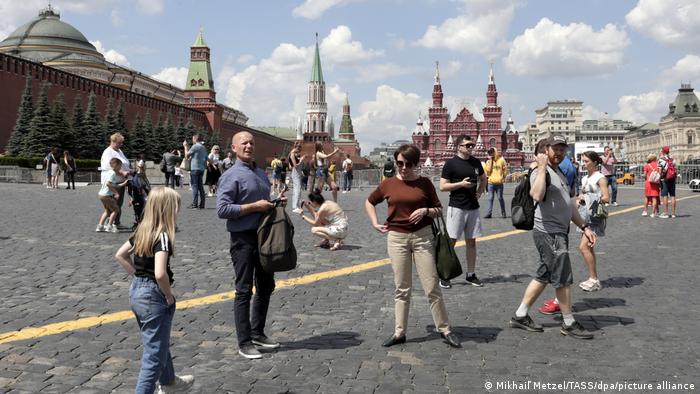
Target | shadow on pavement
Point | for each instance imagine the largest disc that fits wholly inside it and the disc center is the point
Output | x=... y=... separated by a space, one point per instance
x=466 y=334
x=587 y=304
x=336 y=340
x=621 y=281
x=597 y=322
x=505 y=279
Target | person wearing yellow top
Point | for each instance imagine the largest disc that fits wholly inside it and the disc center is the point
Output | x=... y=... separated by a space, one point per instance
x=496 y=170
x=276 y=165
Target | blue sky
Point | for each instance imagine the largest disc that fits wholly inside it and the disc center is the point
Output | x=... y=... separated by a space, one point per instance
x=624 y=57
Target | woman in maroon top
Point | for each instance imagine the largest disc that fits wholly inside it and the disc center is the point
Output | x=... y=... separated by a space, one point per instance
x=413 y=203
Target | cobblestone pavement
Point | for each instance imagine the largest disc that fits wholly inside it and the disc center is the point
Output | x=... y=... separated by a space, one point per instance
x=56 y=269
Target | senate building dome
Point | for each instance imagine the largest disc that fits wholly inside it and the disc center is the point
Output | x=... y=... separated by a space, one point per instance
x=48 y=40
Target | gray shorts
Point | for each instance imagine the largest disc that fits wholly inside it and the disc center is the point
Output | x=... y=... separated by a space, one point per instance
x=555 y=265
x=463 y=222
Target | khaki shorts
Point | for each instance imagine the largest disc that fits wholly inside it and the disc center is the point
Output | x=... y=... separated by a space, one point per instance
x=109 y=203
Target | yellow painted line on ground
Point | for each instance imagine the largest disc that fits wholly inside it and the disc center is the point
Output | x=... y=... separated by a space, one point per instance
x=87 y=322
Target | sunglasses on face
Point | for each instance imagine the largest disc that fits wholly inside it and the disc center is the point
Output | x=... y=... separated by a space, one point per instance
x=468 y=146
x=402 y=164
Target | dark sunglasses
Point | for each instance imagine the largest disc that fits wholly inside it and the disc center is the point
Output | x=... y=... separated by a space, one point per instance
x=403 y=164
x=468 y=145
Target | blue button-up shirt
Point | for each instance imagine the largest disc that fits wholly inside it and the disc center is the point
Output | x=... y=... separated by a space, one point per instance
x=241 y=184
x=198 y=156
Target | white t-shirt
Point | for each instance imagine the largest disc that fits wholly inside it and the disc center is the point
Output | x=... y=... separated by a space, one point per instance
x=589 y=183
x=107 y=155
x=346 y=162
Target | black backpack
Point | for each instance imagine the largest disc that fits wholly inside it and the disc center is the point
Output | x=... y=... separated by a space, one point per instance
x=522 y=206
x=276 y=241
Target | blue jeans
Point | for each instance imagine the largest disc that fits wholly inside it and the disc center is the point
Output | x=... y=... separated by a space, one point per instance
x=612 y=181
x=493 y=189
x=155 y=319
x=197 y=184
x=347 y=181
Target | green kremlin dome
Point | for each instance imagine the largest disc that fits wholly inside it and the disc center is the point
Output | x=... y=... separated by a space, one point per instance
x=48 y=40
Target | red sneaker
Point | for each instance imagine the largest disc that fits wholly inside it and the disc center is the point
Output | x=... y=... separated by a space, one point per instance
x=550 y=307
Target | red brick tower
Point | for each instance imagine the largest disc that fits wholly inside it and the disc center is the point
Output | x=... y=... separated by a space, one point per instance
x=491 y=132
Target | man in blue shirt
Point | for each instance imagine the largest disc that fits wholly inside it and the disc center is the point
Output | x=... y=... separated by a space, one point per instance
x=242 y=200
x=198 y=156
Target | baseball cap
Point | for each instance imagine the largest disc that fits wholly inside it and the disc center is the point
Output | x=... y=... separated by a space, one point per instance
x=556 y=140
x=665 y=149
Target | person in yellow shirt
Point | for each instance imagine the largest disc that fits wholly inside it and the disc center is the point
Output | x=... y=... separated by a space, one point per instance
x=276 y=165
x=496 y=170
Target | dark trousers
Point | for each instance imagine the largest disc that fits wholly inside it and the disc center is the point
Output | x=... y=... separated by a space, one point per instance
x=612 y=181
x=170 y=179
x=70 y=178
x=249 y=272
x=138 y=204
x=120 y=202
x=197 y=184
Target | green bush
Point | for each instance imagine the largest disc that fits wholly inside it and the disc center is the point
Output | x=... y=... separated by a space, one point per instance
x=32 y=162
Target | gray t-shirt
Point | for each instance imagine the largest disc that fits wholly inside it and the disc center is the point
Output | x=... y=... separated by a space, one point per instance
x=554 y=213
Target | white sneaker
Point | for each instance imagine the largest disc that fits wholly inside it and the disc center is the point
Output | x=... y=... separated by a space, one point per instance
x=664 y=216
x=298 y=211
x=112 y=229
x=652 y=216
x=614 y=204
x=180 y=385
x=673 y=216
x=100 y=229
x=644 y=213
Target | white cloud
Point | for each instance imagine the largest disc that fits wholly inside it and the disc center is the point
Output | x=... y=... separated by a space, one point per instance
x=116 y=17
x=644 y=107
x=685 y=70
x=339 y=48
x=550 y=49
x=150 y=7
x=383 y=71
x=671 y=22
x=176 y=76
x=314 y=9
x=245 y=58
x=481 y=28
x=590 y=112
x=390 y=116
x=274 y=91
x=111 y=55
x=451 y=69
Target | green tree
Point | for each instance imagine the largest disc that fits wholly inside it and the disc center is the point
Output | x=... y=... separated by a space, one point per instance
x=15 y=146
x=92 y=131
x=119 y=125
x=148 y=145
x=137 y=136
x=108 y=123
x=62 y=128
x=158 y=140
x=76 y=123
x=41 y=131
x=181 y=130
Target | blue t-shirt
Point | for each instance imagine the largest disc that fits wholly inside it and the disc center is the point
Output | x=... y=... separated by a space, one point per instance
x=198 y=156
x=567 y=167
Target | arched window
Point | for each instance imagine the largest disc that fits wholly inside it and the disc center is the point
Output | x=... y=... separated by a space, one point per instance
x=438 y=144
x=690 y=137
x=200 y=82
x=492 y=143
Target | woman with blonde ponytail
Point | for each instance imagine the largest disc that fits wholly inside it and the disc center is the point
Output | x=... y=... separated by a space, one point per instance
x=150 y=295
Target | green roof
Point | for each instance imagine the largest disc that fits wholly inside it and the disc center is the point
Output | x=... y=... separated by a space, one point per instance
x=199 y=42
x=316 y=72
x=280 y=132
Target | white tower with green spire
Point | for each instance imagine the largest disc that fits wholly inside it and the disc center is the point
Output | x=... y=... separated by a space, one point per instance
x=316 y=107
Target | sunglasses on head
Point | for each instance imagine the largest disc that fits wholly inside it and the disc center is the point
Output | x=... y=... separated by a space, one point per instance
x=402 y=164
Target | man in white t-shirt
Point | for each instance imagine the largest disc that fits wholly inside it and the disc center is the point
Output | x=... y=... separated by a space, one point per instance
x=116 y=141
x=347 y=174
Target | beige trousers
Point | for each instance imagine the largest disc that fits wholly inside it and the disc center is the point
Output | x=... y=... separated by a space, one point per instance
x=405 y=250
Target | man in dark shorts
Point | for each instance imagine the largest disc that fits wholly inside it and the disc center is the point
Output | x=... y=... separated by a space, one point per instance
x=668 y=183
x=555 y=209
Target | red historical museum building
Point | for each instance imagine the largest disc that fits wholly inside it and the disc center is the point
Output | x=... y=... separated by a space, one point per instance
x=438 y=140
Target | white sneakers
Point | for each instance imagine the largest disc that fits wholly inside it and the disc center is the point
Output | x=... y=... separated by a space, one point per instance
x=591 y=285
x=180 y=385
x=664 y=216
x=298 y=211
x=100 y=228
x=644 y=213
x=107 y=228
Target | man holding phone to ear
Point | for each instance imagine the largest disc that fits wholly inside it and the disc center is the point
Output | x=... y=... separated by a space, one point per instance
x=464 y=177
